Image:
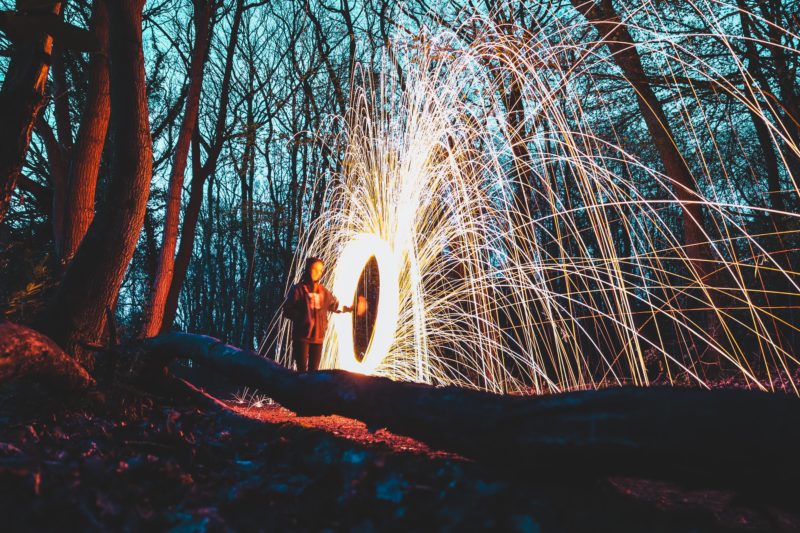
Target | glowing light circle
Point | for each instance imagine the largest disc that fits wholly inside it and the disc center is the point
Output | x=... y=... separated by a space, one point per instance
x=351 y=263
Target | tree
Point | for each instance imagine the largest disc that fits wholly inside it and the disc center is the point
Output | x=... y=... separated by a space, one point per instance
x=154 y=312
x=76 y=315
x=614 y=35
x=79 y=195
x=200 y=174
x=22 y=97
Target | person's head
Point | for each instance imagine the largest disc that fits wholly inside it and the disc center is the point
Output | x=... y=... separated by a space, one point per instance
x=314 y=269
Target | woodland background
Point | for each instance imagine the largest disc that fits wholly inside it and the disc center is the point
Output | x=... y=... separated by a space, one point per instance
x=161 y=172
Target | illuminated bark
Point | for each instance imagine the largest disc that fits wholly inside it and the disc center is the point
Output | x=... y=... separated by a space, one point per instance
x=200 y=174
x=76 y=316
x=21 y=99
x=79 y=197
x=154 y=312
x=188 y=232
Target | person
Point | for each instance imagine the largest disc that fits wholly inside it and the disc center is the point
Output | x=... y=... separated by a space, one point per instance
x=307 y=305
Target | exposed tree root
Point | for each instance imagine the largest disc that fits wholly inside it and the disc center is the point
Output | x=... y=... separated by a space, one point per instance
x=728 y=437
x=734 y=437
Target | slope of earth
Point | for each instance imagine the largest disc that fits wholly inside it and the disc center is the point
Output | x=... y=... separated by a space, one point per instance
x=139 y=462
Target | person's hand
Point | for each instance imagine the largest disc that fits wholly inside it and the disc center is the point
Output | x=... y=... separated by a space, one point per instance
x=347 y=309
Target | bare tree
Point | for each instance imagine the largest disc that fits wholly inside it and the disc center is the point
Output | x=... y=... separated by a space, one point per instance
x=76 y=315
x=154 y=311
x=617 y=38
x=200 y=174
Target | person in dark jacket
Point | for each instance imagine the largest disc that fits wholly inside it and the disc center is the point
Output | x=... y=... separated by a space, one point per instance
x=307 y=305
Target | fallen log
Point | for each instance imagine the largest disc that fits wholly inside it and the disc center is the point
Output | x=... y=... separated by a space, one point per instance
x=732 y=437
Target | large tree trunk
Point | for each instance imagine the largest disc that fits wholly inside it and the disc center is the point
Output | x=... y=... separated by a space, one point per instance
x=76 y=316
x=733 y=438
x=617 y=38
x=723 y=436
x=154 y=311
x=21 y=98
x=86 y=155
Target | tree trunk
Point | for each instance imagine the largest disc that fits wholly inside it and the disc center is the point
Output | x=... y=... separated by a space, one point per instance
x=58 y=151
x=154 y=310
x=616 y=37
x=57 y=165
x=526 y=199
x=696 y=246
x=324 y=51
x=60 y=97
x=755 y=70
x=199 y=176
x=786 y=79
x=76 y=316
x=721 y=436
x=246 y=180
x=188 y=233
x=21 y=98
x=88 y=150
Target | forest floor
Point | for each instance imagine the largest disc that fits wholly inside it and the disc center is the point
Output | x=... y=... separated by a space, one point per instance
x=136 y=461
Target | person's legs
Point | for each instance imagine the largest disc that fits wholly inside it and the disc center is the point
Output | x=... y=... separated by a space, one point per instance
x=314 y=356
x=300 y=355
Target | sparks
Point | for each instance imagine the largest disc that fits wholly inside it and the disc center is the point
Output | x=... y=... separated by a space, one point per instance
x=530 y=261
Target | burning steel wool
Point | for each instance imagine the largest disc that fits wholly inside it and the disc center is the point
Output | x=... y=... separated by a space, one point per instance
x=497 y=272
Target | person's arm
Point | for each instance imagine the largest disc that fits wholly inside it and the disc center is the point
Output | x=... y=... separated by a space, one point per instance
x=334 y=304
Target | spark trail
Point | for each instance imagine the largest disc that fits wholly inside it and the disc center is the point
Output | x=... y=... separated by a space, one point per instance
x=546 y=254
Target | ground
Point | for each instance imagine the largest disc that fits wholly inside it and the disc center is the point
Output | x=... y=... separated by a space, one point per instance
x=140 y=462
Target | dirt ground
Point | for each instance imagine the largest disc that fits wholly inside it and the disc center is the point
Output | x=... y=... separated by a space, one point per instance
x=140 y=462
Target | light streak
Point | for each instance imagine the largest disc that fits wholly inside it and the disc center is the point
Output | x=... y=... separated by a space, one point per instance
x=351 y=262
x=588 y=285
